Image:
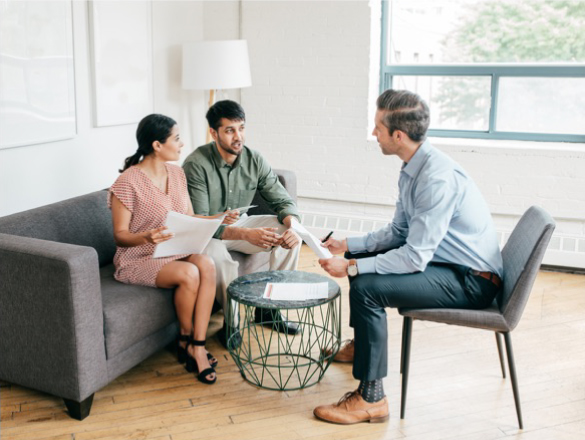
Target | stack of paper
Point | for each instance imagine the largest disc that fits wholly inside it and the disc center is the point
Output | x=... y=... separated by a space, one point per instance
x=295 y=291
x=192 y=234
x=313 y=242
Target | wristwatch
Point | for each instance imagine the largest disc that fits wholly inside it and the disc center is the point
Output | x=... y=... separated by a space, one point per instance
x=352 y=269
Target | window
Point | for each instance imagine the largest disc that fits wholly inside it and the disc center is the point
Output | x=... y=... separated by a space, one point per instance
x=494 y=69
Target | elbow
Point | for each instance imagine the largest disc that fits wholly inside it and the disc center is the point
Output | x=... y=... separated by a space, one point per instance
x=420 y=260
x=118 y=240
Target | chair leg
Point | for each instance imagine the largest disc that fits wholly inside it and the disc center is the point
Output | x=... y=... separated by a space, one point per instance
x=406 y=339
x=512 y=367
x=402 y=346
x=501 y=353
x=79 y=410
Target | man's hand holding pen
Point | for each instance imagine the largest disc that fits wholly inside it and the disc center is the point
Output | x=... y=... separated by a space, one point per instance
x=336 y=266
x=334 y=246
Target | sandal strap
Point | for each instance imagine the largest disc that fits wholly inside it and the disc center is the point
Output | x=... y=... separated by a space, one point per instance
x=203 y=374
x=184 y=338
x=196 y=342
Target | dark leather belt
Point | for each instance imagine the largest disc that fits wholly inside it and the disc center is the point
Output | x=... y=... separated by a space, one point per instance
x=488 y=276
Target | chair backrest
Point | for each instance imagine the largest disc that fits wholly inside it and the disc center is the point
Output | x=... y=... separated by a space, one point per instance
x=522 y=256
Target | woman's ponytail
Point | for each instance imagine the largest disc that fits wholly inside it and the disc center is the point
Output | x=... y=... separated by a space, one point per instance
x=131 y=160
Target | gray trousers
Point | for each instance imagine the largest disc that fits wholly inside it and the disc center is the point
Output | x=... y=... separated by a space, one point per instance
x=227 y=268
x=439 y=286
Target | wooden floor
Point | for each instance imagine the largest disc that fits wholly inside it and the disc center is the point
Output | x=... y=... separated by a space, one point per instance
x=456 y=390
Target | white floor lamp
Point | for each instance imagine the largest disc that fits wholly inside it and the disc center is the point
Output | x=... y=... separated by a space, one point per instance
x=215 y=65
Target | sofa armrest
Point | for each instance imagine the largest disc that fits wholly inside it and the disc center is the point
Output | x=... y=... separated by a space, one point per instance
x=289 y=181
x=51 y=318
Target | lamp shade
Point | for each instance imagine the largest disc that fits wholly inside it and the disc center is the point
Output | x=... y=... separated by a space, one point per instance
x=211 y=65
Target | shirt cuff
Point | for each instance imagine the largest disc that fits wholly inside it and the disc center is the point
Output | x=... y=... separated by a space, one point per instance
x=356 y=245
x=286 y=212
x=219 y=232
x=366 y=265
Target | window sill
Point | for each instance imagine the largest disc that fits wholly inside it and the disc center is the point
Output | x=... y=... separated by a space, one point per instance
x=554 y=148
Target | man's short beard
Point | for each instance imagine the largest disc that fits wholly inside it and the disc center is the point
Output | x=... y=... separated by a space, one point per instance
x=228 y=149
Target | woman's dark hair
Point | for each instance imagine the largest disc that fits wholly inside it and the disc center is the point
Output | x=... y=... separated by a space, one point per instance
x=405 y=111
x=224 y=109
x=152 y=128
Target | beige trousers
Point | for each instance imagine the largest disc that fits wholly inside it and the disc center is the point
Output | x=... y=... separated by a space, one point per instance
x=227 y=269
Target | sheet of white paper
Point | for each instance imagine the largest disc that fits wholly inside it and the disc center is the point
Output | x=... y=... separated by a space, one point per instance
x=192 y=234
x=245 y=208
x=295 y=291
x=313 y=242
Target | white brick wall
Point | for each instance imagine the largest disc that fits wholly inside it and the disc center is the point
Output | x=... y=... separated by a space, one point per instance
x=308 y=111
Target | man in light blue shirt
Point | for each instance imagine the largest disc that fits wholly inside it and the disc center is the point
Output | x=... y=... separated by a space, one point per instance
x=440 y=250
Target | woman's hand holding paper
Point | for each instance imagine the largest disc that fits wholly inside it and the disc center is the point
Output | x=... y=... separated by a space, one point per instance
x=158 y=235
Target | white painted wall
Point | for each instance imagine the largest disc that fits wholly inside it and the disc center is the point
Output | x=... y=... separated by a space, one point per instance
x=310 y=110
x=39 y=174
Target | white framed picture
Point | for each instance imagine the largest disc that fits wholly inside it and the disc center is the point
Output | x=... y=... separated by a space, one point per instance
x=37 y=78
x=121 y=51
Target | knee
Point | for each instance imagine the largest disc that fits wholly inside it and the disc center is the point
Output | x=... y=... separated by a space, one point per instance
x=206 y=264
x=358 y=292
x=189 y=277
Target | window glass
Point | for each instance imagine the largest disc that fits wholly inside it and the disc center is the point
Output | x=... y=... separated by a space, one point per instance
x=486 y=31
x=541 y=105
x=456 y=102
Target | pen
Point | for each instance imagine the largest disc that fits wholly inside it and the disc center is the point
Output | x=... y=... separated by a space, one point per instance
x=257 y=281
x=327 y=237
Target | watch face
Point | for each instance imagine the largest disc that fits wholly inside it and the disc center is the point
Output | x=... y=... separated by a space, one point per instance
x=352 y=270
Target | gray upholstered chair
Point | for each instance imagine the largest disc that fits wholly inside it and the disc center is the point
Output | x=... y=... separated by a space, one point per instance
x=522 y=256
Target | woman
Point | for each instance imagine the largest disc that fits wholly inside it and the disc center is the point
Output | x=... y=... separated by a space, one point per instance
x=140 y=199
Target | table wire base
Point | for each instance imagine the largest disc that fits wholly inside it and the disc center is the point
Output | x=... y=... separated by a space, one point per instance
x=277 y=361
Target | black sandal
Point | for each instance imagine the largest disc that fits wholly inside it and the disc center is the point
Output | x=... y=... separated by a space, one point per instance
x=209 y=355
x=192 y=365
x=209 y=358
x=182 y=351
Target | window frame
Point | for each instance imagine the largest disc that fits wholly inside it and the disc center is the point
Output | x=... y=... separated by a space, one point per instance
x=495 y=71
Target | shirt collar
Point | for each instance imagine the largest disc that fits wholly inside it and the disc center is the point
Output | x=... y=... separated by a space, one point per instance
x=417 y=161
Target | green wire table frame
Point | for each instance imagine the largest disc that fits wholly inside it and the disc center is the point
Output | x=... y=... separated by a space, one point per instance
x=273 y=360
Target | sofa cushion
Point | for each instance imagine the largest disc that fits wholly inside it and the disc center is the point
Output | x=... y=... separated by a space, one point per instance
x=84 y=220
x=131 y=313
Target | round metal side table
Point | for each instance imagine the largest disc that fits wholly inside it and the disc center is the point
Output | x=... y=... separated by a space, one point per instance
x=274 y=360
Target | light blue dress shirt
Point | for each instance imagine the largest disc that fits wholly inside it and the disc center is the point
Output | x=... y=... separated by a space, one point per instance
x=440 y=217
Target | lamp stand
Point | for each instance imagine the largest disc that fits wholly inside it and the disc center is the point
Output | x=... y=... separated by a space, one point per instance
x=211 y=102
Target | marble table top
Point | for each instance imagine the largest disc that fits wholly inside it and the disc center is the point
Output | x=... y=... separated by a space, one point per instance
x=248 y=289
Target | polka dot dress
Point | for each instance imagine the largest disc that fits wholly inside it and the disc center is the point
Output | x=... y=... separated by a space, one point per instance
x=149 y=206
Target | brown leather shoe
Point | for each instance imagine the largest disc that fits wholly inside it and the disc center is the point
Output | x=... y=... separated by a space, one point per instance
x=345 y=353
x=352 y=408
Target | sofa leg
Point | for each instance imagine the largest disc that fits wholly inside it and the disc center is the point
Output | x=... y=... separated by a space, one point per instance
x=79 y=410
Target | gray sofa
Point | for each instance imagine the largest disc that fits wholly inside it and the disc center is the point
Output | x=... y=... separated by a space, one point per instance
x=66 y=326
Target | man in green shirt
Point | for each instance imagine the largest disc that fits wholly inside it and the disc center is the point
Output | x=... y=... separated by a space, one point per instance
x=225 y=175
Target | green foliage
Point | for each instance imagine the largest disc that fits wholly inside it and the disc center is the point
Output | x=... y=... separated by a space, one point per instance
x=520 y=31
x=505 y=31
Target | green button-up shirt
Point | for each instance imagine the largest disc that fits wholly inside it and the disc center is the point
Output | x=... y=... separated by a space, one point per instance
x=215 y=186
